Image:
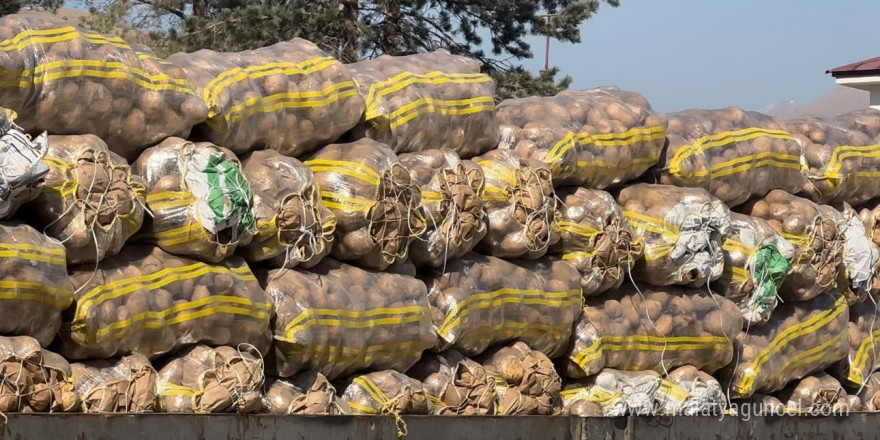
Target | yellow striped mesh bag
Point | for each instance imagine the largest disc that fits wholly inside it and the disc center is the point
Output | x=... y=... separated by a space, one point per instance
x=68 y=80
x=338 y=319
x=653 y=328
x=387 y=393
x=592 y=138
x=147 y=301
x=618 y=393
x=291 y=97
x=733 y=154
x=866 y=120
x=480 y=301
x=863 y=344
x=34 y=286
x=596 y=238
x=428 y=101
x=801 y=337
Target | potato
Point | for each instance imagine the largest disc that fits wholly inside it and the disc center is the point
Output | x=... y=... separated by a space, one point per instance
x=815 y=394
x=401 y=394
x=125 y=384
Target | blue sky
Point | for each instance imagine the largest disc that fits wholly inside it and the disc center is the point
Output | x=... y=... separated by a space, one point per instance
x=715 y=53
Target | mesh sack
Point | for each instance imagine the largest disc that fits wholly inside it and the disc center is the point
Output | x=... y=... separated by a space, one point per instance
x=842 y=165
x=616 y=393
x=526 y=382
x=863 y=345
x=682 y=230
x=34 y=287
x=479 y=301
x=756 y=261
x=652 y=328
x=34 y=379
x=702 y=393
x=290 y=97
x=200 y=201
x=91 y=200
x=869 y=395
x=592 y=138
x=801 y=337
x=865 y=120
x=68 y=80
x=339 y=319
x=205 y=380
x=758 y=405
x=817 y=394
x=452 y=199
x=123 y=385
x=455 y=384
x=387 y=393
x=22 y=170
x=293 y=227
x=520 y=205
x=870 y=217
x=376 y=205
x=816 y=237
x=308 y=393
x=427 y=101
x=595 y=238
x=150 y=302
x=733 y=154
x=860 y=255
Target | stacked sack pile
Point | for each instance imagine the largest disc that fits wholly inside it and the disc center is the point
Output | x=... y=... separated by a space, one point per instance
x=272 y=231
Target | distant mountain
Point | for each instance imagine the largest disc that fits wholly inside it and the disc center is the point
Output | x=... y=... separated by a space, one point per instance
x=838 y=101
x=781 y=109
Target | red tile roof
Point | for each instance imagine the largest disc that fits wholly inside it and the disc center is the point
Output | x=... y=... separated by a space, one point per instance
x=860 y=68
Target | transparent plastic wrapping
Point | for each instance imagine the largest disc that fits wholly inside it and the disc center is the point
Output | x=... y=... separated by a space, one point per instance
x=68 y=80
x=339 y=319
x=616 y=393
x=123 y=385
x=843 y=165
x=595 y=238
x=479 y=301
x=734 y=154
x=860 y=255
x=870 y=217
x=293 y=227
x=387 y=393
x=682 y=230
x=22 y=169
x=456 y=384
x=308 y=393
x=520 y=205
x=427 y=101
x=653 y=328
x=801 y=337
x=816 y=237
x=756 y=261
x=863 y=345
x=525 y=381
x=452 y=199
x=291 y=97
x=818 y=394
x=595 y=138
x=91 y=201
x=205 y=380
x=200 y=201
x=866 y=120
x=36 y=288
x=869 y=395
x=377 y=207
x=34 y=379
x=150 y=302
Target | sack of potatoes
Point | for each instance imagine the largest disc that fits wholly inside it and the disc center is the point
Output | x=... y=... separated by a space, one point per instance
x=682 y=230
x=120 y=385
x=200 y=202
x=526 y=383
x=291 y=97
x=818 y=394
x=614 y=393
x=386 y=392
x=869 y=395
x=520 y=205
x=870 y=217
x=386 y=325
x=596 y=238
x=703 y=394
x=863 y=345
x=150 y=302
x=293 y=227
x=452 y=200
x=756 y=261
x=817 y=239
x=865 y=120
x=860 y=255
x=479 y=301
x=732 y=153
x=843 y=165
x=22 y=170
x=639 y=327
x=456 y=384
x=91 y=200
x=36 y=288
x=377 y=206
x=206 y=380
x=801 y=337
x=33 y=379
x=759 y=405
x=307 y=393
x=427 y=101
x=592 y=138
x=67 y=80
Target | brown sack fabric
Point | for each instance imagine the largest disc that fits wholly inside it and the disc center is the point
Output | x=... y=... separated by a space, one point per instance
x=125 y=385
x=34 y=379
x=859 y=254
x=308 y=393
x=526 y=382
x=457 y=385
x=870 y=393
x=818 y=394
